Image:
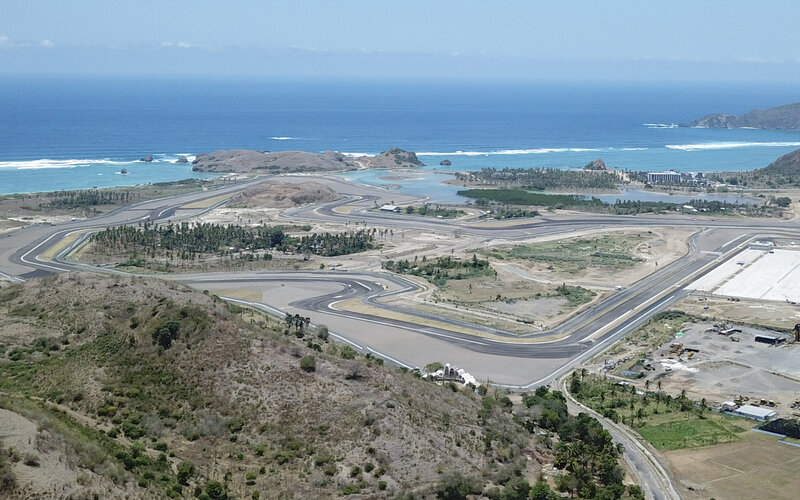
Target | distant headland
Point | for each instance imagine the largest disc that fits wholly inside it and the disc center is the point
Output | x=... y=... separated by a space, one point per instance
x=786 y=117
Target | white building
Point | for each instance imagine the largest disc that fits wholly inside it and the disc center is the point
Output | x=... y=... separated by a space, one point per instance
x=755 y=412
x=663 y=177
x=762 y=245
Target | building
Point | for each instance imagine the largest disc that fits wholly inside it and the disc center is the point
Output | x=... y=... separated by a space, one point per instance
x=664 y=177
x=389 y=208
x=767 y=246
x=770 y=339
x=754 y=412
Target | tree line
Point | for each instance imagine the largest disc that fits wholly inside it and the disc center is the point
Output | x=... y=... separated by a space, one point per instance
x=219 y=239
x=542 y=178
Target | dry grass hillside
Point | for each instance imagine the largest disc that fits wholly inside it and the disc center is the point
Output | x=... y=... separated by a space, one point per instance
x=115 y=387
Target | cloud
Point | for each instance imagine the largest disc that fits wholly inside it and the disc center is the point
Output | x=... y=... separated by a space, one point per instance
x=47 y=43
x=5 y=42
x=179 y=44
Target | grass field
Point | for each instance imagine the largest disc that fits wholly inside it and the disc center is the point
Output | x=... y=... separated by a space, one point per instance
x=668 y=423
x=575 y=255
x=674 y=431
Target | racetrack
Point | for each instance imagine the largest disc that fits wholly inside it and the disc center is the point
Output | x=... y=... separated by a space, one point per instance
x=403 y=336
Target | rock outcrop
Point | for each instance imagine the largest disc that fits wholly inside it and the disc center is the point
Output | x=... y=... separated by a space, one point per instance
x=786 y=117
x=597 y=164
x=391 y=158
x=181 y=159
x=147 y=158
x=446 y=163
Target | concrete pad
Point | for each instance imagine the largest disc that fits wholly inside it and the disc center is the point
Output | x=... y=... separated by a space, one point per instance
x=768 y=278
x=726 y=270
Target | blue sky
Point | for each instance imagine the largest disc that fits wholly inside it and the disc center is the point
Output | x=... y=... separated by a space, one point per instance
x=677 y=39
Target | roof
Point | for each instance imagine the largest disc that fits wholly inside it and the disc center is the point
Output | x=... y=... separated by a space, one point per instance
x=390 y=208
x=756 y=411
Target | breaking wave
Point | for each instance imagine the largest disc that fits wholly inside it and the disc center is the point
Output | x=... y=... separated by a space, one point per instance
x=730 y=145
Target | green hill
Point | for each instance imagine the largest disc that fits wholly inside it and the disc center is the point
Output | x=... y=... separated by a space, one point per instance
x=788 y=164
x=786 y=117
x=147 y=389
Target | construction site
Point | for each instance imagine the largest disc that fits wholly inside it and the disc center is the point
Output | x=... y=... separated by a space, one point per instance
x=725 y=365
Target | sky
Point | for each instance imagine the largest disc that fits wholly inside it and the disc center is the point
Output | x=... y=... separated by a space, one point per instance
x=465 y=39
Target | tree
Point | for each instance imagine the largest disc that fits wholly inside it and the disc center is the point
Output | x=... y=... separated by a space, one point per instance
x=186 y=470
x=541 y=491
x=456 y=486
x=216 y=491
x=308 y=363
x=783 y=201
x=166 y=333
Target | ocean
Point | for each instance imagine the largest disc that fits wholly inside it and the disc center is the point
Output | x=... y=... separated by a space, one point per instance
x=79 y=133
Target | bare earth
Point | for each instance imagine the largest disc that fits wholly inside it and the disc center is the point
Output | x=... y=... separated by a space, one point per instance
x=758 y=463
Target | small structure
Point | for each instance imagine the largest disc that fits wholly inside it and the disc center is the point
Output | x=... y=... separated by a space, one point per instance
x=453 y=374
x=631 y=373
x=389 y=208
x=770 y=339
x=730 y=331
x=767 y=246
x=729 y=406
x=755 y=413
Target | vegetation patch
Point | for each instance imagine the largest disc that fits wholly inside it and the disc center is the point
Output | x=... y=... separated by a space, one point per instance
x=541 y=179
x=442 y=269
x=668 y=423
x=575 y=255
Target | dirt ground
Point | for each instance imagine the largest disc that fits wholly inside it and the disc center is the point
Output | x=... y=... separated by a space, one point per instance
x=656 y=245
x=760 y=312
x=275 y=194
x=43 y=470
x=756 y=467
x=721 y=370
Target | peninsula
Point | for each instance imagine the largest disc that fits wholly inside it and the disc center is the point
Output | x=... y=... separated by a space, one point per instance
x=786 y=117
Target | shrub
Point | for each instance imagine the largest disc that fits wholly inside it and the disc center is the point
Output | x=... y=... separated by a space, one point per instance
x=308 y=363
x=185 y=471
x=215 y=490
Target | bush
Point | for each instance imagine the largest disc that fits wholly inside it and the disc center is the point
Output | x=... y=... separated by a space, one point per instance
x=322 y=332
x=215 y=490
x=308 y=363
x=456 y=486
x=185 y=471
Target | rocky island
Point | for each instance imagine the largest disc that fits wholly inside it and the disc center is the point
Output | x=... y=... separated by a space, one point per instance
x=243 y=160
x=786 y=117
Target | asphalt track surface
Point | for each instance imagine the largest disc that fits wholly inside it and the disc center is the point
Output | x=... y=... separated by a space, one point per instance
x=571 y=342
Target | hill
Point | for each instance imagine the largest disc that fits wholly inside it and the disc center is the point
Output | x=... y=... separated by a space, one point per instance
x=244 y=160
x=788 y=164
x=118 y=387
x=786 y=117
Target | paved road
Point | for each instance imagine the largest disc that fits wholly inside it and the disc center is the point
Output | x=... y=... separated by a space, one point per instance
x=654 y=479
x=580 y=336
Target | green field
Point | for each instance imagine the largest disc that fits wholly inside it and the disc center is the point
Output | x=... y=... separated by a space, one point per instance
x=677 y=432
x=667 y=422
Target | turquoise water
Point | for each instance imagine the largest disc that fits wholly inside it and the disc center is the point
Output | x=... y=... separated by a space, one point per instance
x=73 y=134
